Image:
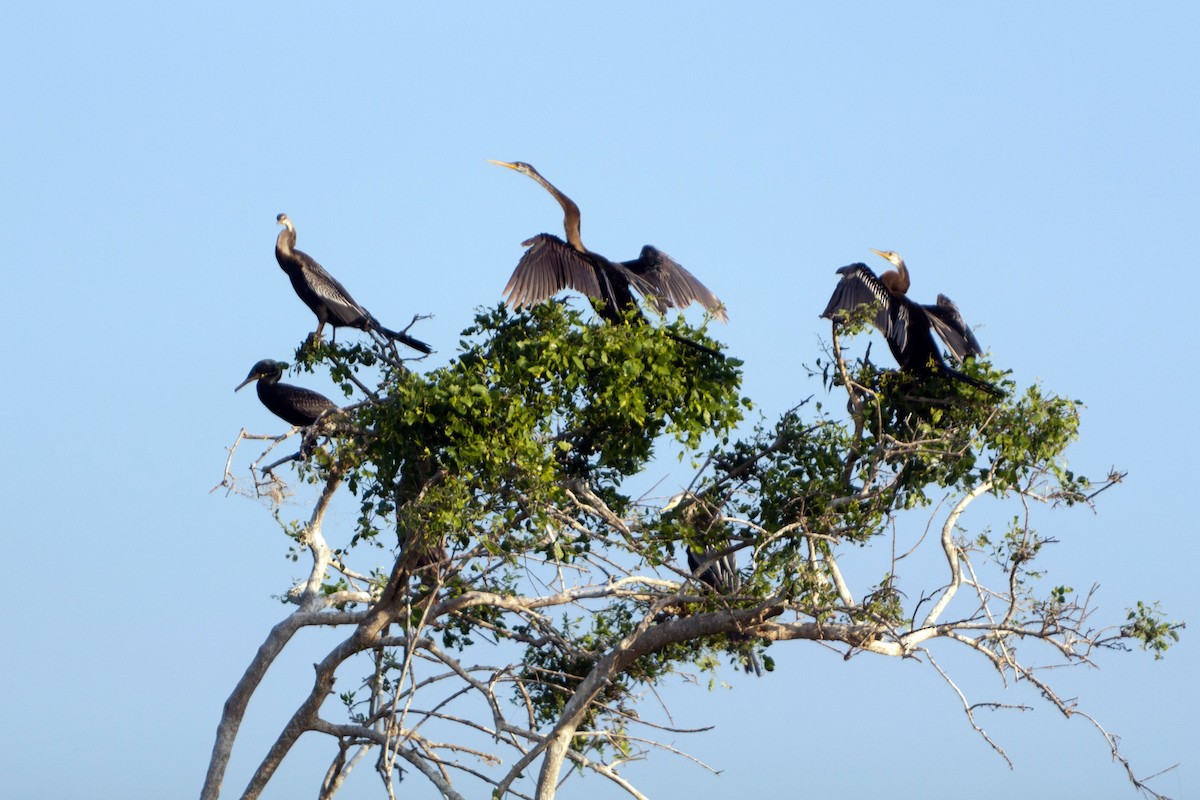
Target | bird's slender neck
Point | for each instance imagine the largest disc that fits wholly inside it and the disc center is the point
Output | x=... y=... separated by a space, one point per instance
x=286 y=242
x=570 y=212
x=896 y=280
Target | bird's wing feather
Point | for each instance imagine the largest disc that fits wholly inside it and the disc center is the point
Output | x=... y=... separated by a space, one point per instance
x=311 y=402
x=341 y=305
x=549 y=266
x=953 y=330
x=860 y=286
x=725 y=571
x=656 y=275
x=294 y=404
x=721 y=574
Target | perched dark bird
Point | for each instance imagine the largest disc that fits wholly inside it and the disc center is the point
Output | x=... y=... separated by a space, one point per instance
x=718 y=572
x=907 y=325
x=293 y=404
x=321 y=292
x=551 y=265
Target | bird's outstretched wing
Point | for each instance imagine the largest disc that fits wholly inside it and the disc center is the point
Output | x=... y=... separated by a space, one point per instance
x=342 y=307
x=860 y=286
x=950 y=326
x=667 y=284
x=549 y=266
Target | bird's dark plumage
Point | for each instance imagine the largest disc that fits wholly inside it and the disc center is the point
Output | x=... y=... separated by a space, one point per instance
x=950 y=326
x=293 y=404
x=321 y=292
x=668 y=285
x=552 y=264
x=708 y=565
x=719 y=573
x=907 y=325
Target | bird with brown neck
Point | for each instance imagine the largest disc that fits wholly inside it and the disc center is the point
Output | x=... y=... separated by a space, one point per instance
x=551 y=265
x=907 y=325
x=896 y=280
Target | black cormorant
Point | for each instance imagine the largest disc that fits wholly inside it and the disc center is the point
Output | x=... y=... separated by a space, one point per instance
x=551 y=265
x=321 y=292
x=293 y=404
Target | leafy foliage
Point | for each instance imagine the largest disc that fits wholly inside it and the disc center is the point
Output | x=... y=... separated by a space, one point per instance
x=503 y=477
x=534 y=399
x=1145 y=624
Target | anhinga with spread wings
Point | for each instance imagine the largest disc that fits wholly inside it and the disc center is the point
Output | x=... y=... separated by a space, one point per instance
x=551 y=265
x=293 y=404
x=321 y=292
x=907 y=325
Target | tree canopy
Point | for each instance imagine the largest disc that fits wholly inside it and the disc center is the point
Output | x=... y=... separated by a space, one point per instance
x=507 y=593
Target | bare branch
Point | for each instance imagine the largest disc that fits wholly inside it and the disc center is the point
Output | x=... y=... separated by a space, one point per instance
x=950 y=548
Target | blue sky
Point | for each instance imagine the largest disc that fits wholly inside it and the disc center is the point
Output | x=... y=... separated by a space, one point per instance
x=1039 y=164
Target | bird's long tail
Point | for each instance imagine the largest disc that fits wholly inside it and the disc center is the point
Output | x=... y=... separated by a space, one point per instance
x=750 y=662
x=950 y=372
x=696 y=345
x=404 y=338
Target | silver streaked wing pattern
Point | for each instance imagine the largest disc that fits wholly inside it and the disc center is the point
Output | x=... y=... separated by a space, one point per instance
x=341 y=305
x=860 y=286
x=721 y=574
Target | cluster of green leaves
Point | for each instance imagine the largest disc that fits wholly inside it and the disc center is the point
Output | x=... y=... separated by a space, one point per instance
x=953 y=435
x=1145 y=624
x=534 y=399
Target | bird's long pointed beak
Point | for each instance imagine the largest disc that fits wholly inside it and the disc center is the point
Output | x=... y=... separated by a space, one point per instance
x=249 y=379
x=502 y=163
x=890 y=256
